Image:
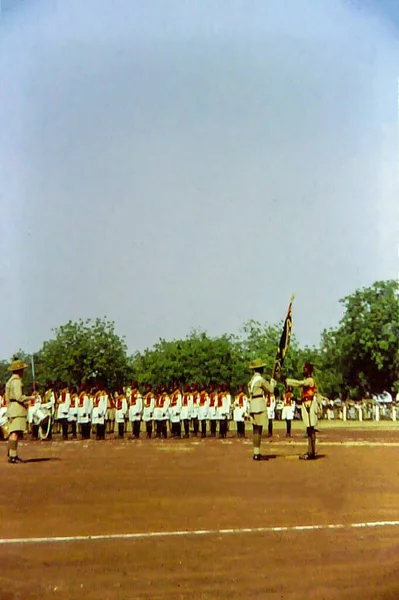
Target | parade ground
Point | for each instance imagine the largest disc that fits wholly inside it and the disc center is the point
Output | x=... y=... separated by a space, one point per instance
x=174 y=519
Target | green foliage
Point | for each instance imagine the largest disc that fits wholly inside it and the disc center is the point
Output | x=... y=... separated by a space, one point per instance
x=362 y=355
x=83 y=351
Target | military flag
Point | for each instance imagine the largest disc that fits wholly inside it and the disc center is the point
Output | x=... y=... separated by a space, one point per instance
x=284 y=343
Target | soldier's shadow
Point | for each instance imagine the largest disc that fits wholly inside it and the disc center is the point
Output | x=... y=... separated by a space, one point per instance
x=39 y=460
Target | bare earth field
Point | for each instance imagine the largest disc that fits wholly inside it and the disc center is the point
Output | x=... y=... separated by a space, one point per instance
x=202 y=494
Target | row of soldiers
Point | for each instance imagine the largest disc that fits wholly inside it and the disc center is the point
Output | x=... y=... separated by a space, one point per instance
x=160 y=409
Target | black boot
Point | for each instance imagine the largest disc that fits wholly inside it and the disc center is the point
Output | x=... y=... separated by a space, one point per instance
x=149 y=429
x=195 y=426
x=288 y=422
x=74 y=436
x=35 y=432
x=203 y=428
x=121 y=430
x=213 y=428
x=270 y=428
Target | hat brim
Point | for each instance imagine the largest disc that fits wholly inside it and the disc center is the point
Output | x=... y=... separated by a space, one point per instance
x=17 y=368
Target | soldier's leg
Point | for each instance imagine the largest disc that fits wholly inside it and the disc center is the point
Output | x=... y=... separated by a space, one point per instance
x=158 y=428
x=164 y=429
x=270 y=428
x=195 y=425
x=149 y=429
x=257 y=435
x=203 y=428
x=178 y=429
x=74 y=435
x=213 y=427
x=98 y=431
x=312 y=442
x=288 y=423
x=186 y=428
x=64 y=429
x=121 y=430
x=35 y=432
x=136 y=429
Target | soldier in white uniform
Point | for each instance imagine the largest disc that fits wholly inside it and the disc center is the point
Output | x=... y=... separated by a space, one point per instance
x=121 y=412
x=271 y=413
x=48 y=404
x=73 y=411
x=175 y=407
x=99 y=411
x=62 y=413
x=240 y=410
x=186 y=410
x=258 y=388
x=161 y=413
x=212 y=409
x=223 y=409
x=148 y=409
x=135 y=409
x=194 y=414
x=288 y=412
x=84 y=411
x=203 y=405
x=35 y=401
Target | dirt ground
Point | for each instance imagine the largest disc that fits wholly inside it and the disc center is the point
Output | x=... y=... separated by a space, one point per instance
x=78 y=488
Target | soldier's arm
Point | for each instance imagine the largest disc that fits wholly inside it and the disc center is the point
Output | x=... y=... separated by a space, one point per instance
x=266 y=386
x=300 y=382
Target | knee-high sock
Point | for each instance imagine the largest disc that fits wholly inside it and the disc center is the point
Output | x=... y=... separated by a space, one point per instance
x=257 y=433
x=12 y=448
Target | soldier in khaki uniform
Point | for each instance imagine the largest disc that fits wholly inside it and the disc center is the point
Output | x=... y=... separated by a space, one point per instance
x=17 y=405
x=258 y=389
x=309 y=407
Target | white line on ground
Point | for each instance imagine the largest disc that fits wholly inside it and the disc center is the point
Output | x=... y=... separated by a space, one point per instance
x=197 y=532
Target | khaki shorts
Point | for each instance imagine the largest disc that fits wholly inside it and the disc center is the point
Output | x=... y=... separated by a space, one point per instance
x=16 y=424
x=259 y=419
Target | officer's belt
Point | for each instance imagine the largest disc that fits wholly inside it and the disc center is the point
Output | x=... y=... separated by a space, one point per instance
x=262 y=396
x=18 y=401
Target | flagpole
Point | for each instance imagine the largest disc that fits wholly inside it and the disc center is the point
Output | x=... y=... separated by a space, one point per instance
x=33 y=369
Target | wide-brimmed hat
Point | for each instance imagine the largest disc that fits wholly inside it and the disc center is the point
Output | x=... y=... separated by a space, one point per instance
x=257 y=364
x=17 y=365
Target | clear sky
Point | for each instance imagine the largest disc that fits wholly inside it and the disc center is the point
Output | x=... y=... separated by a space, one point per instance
x=191 y=163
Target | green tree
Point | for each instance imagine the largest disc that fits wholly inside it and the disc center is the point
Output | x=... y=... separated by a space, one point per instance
x=364 y=350
x=83 y=351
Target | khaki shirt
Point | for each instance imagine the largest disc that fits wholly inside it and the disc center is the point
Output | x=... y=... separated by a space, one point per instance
x=14 y=391
x=258 y=388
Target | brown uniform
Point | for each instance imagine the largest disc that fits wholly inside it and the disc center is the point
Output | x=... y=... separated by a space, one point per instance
x=258 y=389
x=17 y=404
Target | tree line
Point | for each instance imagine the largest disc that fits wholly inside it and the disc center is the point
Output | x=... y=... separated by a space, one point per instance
x=357 y=358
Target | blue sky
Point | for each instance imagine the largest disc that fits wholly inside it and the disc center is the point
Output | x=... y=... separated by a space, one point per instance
x=193 y=166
